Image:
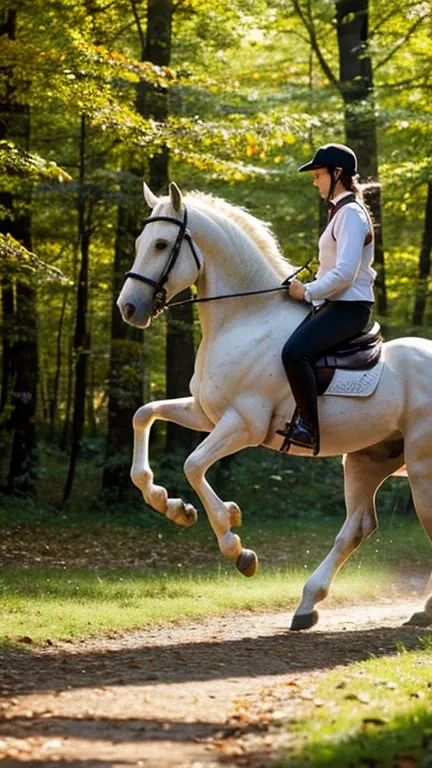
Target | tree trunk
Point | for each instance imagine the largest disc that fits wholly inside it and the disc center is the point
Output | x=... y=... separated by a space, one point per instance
x=125 y=386
x=22 y=354
x=23 y=458
x=180 y=354
x=180 y=350
x=81 y=337
x=8 y=313
x=91 y=416
x=356 y=79
x=53 y=403
x=64 y=438
x=7 y=334
x=424 y=264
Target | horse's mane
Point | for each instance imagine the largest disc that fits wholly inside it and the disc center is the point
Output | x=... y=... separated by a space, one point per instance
x=243 y=223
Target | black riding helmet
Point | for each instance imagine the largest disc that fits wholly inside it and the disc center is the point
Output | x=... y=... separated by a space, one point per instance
x=333 y=156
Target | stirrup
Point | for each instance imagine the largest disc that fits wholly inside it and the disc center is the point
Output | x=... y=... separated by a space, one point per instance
x=286 y=433
x=290 y=437
x=311 y=433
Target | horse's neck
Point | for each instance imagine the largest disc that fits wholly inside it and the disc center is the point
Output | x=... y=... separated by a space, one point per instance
x=228 y=269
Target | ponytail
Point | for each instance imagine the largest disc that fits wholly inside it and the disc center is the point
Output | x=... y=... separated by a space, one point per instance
x=352 y=184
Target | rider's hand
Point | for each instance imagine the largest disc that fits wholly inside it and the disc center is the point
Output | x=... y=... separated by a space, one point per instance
x=297 y=290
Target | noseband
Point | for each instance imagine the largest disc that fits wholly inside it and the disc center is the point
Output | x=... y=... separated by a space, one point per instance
x=159 y=295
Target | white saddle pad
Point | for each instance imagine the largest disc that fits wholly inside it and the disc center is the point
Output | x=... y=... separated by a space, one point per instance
x=355 y=383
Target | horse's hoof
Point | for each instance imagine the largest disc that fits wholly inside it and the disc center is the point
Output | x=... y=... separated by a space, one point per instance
x=420 y=619
x=189 y=516
x=304 y=621
x=247 y=562
x=181 y=513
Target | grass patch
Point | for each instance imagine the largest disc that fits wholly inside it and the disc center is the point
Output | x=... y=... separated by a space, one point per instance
x=75 y=578
x=47 y=604
x=376 y=713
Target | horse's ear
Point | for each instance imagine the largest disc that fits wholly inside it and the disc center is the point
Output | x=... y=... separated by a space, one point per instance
x=149 y=197
x=176 y=196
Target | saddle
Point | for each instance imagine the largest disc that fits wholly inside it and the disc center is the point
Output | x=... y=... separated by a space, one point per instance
x=359 y=353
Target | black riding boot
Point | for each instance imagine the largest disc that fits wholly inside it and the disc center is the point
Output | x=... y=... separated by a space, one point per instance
x=304 y=434
x=303 y=430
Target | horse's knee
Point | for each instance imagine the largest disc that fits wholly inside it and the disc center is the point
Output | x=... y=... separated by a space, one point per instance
x=193 y=469
x=141 y=477
x=142 y=416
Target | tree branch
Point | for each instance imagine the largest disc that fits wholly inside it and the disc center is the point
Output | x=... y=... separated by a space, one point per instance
x=403 y=84
x=400 y=43
x=310 y=28
x=139 y=27
x=390 y=16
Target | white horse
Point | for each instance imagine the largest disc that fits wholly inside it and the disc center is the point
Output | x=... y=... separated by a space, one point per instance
x=239 y=391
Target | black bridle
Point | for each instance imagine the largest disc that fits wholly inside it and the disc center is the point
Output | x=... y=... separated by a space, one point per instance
x=159 y=295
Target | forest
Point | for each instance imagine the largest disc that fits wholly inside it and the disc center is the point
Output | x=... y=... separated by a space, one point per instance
x=228 y=97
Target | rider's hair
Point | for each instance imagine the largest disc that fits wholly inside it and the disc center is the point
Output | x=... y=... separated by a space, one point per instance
x=351 y=183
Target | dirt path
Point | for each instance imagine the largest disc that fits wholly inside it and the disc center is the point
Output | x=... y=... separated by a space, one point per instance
x=202 y=695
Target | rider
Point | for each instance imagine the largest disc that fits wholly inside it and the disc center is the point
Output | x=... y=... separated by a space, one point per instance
x=342 y=293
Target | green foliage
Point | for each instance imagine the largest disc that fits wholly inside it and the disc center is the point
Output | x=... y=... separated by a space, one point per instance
x=18 y=261
x=15 y=161
x=249 y=102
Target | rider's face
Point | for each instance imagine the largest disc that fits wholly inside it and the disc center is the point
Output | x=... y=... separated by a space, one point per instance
x=322 y=181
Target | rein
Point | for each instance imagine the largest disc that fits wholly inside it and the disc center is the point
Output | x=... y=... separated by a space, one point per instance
x=283 y=287
x=159 y=297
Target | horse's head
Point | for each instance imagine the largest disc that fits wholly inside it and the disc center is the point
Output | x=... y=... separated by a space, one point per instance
x=166 y=261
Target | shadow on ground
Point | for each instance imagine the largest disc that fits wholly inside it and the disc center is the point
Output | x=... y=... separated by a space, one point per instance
x=29 y=671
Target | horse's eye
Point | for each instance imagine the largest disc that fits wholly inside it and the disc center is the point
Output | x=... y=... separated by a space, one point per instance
x=160 y=245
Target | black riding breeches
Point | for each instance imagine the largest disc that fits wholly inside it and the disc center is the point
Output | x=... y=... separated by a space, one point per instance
x=334 y=322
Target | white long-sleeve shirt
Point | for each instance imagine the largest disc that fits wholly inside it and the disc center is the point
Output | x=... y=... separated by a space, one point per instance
x=345 y=272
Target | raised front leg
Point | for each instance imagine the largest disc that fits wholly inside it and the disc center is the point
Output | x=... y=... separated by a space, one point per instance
x=364 y=473
x=232 y=433
x=184 y=411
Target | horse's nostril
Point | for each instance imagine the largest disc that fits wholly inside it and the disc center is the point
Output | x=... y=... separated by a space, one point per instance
x=128 y=311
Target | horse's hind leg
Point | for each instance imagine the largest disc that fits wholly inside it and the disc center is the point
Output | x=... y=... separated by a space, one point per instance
x=184 y=411
x=419 y=471
x=364 y=473
x=423 y=618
